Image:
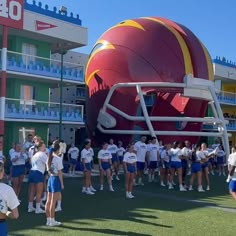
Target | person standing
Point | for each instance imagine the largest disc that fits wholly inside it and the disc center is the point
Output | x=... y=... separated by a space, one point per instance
x=112 y=148
x=130 y=167
x=8 y=200
x=73 y=154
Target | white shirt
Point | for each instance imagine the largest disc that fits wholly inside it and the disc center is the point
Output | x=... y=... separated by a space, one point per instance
x=175 y=154
x=32 y=150
x=220 y=153
x=186 y=152
x=62 y=147
x=130 y=157
x=86 y=155
x=92 y=152
x=38 y=161
x=11 y=151
x=74 y=152
x=120 y=151
x=104 y=155
x=154 y=151
x=56 y=165
x=8 y=198
x=112 y=148
x=201 y=155
x=27 y=145
x=232 y=162
x=2 y=157
x=141 y=150
x=21 y=158
x=165 y=155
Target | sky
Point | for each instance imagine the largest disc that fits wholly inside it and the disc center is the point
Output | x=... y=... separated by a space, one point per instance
x=212 y=21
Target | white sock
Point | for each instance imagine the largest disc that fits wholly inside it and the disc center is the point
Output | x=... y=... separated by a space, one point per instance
x=139 y=180
x=48 y=220
x=30 y=205
x=44 y=194
x=52 y=219
x=37 y=206
x=59 y=203
x=84 y=188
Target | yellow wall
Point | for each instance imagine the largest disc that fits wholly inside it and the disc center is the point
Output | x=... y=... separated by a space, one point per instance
x=229 y=88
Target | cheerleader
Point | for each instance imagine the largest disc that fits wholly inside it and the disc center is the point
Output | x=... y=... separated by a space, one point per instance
x=8 y=200
x=55 y=184
x=36 y=178
x=104 y=161
x=154 y=157
x=130 y=167
x=220 y=160
x=112 y=148
x=18 y=159
x=73 y=154
x=232 y=174
x=196 y=169
x=186 y=154
x=165 y=164
x=86 y=158
x=120 y=154
x=176 y=156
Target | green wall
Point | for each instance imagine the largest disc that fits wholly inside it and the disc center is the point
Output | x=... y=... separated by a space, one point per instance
x=12 y=131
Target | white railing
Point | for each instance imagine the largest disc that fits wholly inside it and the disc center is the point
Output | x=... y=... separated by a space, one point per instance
x=19 y=62
x=227 y=97
x=41 y=110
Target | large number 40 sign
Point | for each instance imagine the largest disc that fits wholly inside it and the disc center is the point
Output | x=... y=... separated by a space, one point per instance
x=11 y=13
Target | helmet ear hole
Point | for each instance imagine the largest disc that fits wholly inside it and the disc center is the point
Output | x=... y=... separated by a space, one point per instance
x=106 y=120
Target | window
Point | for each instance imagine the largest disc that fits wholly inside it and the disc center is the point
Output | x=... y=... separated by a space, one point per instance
x=29 y=52
x=24 y=132
x=27 y=97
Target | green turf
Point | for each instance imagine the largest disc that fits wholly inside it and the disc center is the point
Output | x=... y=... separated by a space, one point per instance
x=154 y=211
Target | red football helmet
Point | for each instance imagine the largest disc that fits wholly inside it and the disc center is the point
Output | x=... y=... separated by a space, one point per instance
x=129 y=73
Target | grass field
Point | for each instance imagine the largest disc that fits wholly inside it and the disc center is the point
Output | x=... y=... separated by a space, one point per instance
x=154 y=211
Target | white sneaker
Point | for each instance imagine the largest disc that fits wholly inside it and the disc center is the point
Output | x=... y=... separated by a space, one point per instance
x=224 y=174
x=163 y=185
x=200 y=190
x=208 y=188
x=111 y=189
x=39 y=211
x=173 y=183
x=140 y=183
x=190 y=188
x=89 y=192
x=170 y=186
x=212 y=173
x=92 y=189
x=58 y=209
x=117 y=178
x=83 y=190
x=101 y=188
x=182 y=189
x=31 y=209
x=54 y=223
x=131 y=195
x=189 y=173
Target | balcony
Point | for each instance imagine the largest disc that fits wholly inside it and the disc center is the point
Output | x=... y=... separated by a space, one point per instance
x=230 y=127
x=18 y=63
x=227 y=98
x=39 y=111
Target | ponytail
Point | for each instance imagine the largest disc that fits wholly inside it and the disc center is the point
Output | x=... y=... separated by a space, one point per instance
x=50 y=157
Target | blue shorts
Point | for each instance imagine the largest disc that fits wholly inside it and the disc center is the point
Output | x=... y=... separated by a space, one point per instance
x=54 y=184
x=220 y=160
x=166 y=165
x=184 y=164
x=106 y=165
x=114 y=158
x=73 y=161
x=212 y=160
x=175 y=164
x=120 y=159
x=140 y=165
x=205 y=165
x=88 y=166
x=152 y=165
x=3 y=228
x=36 y=177
x=131 y=168
x=196 y=167
x=232 y=185
x=18 y=170
x=28 y=165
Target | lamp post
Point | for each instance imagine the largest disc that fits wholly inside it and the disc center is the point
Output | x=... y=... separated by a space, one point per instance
x=63 y=52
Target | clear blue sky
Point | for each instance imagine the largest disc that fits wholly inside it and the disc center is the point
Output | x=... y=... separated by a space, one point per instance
x=214 y=22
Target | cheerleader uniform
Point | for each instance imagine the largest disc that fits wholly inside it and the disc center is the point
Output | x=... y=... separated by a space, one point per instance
x=120 y=154
x=18 y=166
x=112 y=148
x=105 y=156
x=87 y=156
x=130 y=159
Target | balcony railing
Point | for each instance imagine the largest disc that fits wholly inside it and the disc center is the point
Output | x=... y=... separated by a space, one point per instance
x=231 y=126
x=39 y=110
x=227 y=98
x=19 y=62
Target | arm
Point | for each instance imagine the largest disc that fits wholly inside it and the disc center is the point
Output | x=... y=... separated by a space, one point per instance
x=13 y=214
x=83 y=161
x=100 y=163
x=231 y=170
x=60 y=175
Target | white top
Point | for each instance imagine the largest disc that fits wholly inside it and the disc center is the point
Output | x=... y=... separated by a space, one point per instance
x=32 y=151
x=154 y=151
x=112 y=148
x=201 y=155
x=21 y=158
x=8 y=198
x=104 y=154
x=186 y=152
x=220 y=153
x=38 y=161
x=166 y=155
x=176 y=154
x=130 y=157
x=2 y=157
x=232 y=162
x=56 y=165
x=92 y=152
x=62 y=147
x=27 y=145
x=11 y=151
x=141 y=150
x=74 y=152
x=86 y=155
x=120 y=151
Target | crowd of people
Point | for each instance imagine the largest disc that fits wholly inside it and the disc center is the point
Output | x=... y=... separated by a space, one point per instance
x=162 y=163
